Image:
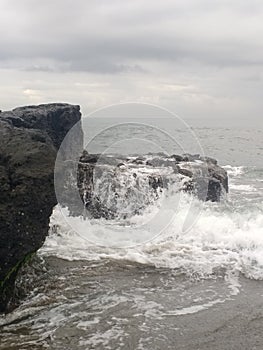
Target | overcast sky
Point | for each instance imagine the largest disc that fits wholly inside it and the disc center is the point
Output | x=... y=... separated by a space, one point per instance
x=199 y=58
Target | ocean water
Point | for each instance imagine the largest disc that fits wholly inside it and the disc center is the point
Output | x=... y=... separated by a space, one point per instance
x=127 y=284
x=226 y=235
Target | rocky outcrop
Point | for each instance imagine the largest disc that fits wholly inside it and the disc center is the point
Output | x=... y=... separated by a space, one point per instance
x=29 y=140
x=116 y=186
x=95 y=185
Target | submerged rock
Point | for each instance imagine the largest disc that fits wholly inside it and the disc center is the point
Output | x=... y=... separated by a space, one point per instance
x=29 y=140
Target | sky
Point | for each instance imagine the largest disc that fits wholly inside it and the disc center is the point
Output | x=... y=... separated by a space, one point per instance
x=198 y=58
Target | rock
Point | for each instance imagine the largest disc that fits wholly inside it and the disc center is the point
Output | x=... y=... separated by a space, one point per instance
x=29 y=140
x=160 y=162
x=177 y=157
x=156 y=182
x=138 y=160
x=42 y=118
x=209 y=160
x=185 y=172
x=198 y=175
x=89 y=158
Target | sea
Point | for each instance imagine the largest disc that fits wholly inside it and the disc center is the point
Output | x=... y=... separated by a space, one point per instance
x=140 y=282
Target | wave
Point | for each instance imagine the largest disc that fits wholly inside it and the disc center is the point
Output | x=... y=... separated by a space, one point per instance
x=251 y=172
x=221 y=236
x=234 y=171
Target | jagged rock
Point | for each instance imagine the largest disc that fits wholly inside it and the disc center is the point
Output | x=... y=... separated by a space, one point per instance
x=55 y=119
x=198 y=175
x=29 y=140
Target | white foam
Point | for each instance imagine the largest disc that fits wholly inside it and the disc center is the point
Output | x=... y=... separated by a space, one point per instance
x=193 y=309
x=244 y=188
x=219 y=239
x=234 y=171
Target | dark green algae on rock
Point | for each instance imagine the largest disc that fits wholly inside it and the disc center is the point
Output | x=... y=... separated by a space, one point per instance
x=29 y=140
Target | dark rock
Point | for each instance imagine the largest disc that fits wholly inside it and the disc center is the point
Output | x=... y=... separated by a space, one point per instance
x=209 y=160
x=214 y=190
x=159 y=154
x=177 y=158
x=138 y=161
x=210 y=182
x=89 y=158
x=42 y=118
x=200 y=176
x=29 y=140
x=156 y=182
x=185 y=172
x=190 y=157
x=161 y=162
x=218 y=173
x=121 y=165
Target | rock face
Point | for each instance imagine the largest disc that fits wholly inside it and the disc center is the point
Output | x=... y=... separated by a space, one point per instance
x=114 y=186
x=29 y=140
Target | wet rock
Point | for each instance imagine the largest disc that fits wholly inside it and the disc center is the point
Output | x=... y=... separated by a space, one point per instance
x=138 y=160
x=177 y=157
x=185 y=172
x=156 y=182
x=29 y=140
x=200 y=176
x=209 y=160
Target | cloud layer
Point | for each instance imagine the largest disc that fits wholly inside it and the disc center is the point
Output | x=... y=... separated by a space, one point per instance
x=200 y=58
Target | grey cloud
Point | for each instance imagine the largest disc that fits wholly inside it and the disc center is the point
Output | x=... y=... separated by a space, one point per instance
x=105 y=67
x=138 y=49
x=68 y=33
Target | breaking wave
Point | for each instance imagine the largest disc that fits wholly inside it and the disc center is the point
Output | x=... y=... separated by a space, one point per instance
x=226 y=235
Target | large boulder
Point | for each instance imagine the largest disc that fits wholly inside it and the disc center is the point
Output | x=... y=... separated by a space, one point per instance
x=116 y=186
x=29 y=140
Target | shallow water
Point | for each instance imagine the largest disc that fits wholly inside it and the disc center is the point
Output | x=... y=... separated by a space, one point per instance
x=109 y=305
